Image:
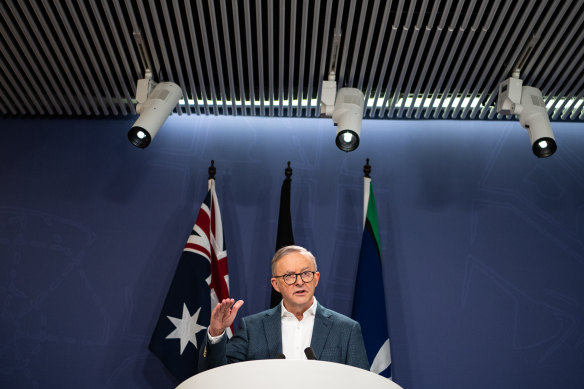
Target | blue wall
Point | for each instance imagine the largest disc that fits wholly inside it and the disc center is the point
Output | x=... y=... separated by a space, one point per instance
x=483 y=243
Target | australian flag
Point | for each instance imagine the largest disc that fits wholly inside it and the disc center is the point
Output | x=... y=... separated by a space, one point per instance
x=369 y=291
x=200 y=281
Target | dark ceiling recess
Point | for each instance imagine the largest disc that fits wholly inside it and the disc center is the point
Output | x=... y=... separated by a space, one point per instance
x=412 y=59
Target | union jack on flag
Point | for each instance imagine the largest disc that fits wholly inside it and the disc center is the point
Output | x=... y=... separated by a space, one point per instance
x=200 y=282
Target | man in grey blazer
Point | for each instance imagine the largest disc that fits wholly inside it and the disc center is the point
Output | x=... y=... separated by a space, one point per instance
x=286 y=330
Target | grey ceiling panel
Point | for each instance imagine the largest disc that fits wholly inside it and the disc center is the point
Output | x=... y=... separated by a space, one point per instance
x=412 y=59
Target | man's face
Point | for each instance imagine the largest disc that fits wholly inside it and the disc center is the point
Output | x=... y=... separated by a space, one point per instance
x=298 y=296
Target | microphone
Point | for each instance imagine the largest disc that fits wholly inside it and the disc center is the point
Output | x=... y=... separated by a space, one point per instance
x=309 y=352
x=280 y=356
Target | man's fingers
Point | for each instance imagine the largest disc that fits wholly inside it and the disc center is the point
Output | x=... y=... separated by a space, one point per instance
x=223 y=315
x=222 y=309
x=225 y=305
x=236 y=306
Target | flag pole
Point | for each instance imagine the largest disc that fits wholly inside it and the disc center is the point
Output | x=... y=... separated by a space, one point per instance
x=212 y=170
x=366 y=168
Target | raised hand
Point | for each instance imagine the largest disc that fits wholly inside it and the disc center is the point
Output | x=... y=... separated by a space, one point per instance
x=223 y=315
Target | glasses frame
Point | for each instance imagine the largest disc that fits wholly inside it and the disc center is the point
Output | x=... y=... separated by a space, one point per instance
x=296 y=277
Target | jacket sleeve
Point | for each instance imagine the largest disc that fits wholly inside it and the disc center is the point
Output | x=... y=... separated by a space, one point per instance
x=238 y=345
x=226 y=350
x=357 y=356
x=212 y=354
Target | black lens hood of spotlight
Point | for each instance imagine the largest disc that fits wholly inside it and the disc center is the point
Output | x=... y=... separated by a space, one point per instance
x=135 y=140
x=344 y=146
x=548 y=151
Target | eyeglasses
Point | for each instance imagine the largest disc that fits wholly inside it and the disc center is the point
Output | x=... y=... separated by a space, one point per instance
x=290 y=279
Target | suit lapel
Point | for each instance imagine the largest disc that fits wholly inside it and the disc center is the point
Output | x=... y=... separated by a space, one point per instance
x=273 y=330
x=320 y=332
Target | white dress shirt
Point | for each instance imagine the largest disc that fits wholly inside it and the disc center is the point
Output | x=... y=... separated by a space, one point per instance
x=296 y=334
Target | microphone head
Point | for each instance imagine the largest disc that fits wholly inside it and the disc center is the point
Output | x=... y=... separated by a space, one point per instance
x=309 y=352
x=280 y=356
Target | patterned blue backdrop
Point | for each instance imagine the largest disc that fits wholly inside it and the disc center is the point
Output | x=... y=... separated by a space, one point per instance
x=483 y=242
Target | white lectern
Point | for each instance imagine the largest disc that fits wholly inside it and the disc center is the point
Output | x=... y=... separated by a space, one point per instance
x=287 y=374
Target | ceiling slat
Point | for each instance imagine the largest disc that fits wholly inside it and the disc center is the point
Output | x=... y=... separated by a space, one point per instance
x=463 y=37
x=373 y=72
x=325 y=40
x=345 y=52
x=291 y=58
x=24 y=82
x=218 y=56
x=421 y=51
x=188 y=66
x=390 y=97
x=281 y=55
x=120 y=84
x=58 y=94
x=270 y=37
x=65 y=64
x=441 y=64
x=494 y=63
x=9 y=97
x=485 y=68
x=96 y=69
x=168 y=75
x=175 y=54
x=260 y=55
x=312 y=61
x=228 y=57
x=197 y=58
x=358 y=42
x=431 y=68
x=468 y=73
x=302 y=58
x=569 y=56
x=238 y=54
x=250 y=55
x=368 y=42
x=207 y=55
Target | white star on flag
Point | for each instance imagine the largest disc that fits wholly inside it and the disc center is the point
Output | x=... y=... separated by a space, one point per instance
x=186 y=328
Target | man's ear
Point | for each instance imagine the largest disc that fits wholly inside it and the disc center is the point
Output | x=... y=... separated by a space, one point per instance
x=274 y=282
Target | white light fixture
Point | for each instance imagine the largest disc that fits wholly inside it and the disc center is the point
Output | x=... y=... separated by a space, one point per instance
x=345 y=106
x=347 y=116
x=153 y=113
x=527 y=103
x=155 y=102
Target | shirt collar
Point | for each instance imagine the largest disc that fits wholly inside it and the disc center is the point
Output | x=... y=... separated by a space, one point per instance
x=309 y=312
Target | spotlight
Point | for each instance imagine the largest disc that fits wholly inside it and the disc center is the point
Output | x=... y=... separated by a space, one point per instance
x=534 y=118
x=153 y=112
x=347 y=117
x=527 y=103
x=344 y=106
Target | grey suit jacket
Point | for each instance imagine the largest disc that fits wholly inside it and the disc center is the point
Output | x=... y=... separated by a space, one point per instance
x=335 y=338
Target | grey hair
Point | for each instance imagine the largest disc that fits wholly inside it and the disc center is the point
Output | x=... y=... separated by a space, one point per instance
x=289 y=250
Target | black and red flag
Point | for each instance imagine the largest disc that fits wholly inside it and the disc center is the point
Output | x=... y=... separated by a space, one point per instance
x=285 y=237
